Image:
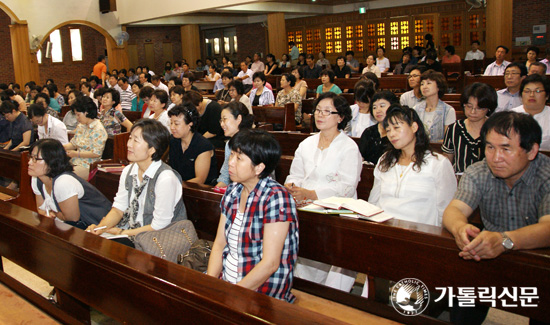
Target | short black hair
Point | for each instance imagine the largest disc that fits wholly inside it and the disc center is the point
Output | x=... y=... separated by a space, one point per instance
x=162 y=96
x=52 y=89
x=155 y=78
x=260 y=146
x=310 y=56
x=99 y=92
x=189 y=113
x=371 y=76
x=123 y=79
x=381 y=48
x=227 y=74
x=189 y=75
x=522 y=68
x=450 y=49
x=364 y=90
x=54 y=155
x=146 y=92
x=524 y=125
x=42 y=95
x=504 y=48
x=350 y=53
x=115 y=95
x=147 y=76
x=70 y=85
x=192 y=97
x=36 y=110
x=271 y=56
x=238 y=85
x=439 y=79
x=7 y=107
x=290 y=78
x=534 y=49
x=486 y=96
x=329 y=73
x=100 y=58
x=237 y=108
x=137 y=83
x=340 y=104
x=535 y=78
x=155 y=134
x=85 y=105
x=300 y=71
x=383 y=94
x=259 y=74
x=476 y=41
x=178 y=90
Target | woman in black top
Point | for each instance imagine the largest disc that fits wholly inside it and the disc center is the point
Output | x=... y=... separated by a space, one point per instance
x=374 y=141
x=271 y=66
x=462 y=143
x=342 y=70
x=209 y=117
x=191 y=155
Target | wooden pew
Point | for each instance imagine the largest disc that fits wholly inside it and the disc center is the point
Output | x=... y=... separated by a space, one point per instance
x=399 y=83
x=204 y=86
x=496 y=81
x=15 y=165
x=392 y=250
x=133 y=116
x=64 y=110
x=276 y=115
x=123 y=283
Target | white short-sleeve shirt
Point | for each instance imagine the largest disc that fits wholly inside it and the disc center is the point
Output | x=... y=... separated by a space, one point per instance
x=56 y=130
x=65 y=187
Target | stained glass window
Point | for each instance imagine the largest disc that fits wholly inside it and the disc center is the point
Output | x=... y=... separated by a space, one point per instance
x=457 y=23
x=419 y=40
x=418 y=26
x=349 y=31
x=338 y=47
x=317 y=35
x=444 y=40
x=457 y=39
x=381 y=42
x=290 y=36
x=371 y=44
x=394 y=43
x=309 y=35
x=299 y=36
x=317 y=47
x=359 y=45
x=309 y=48
x=394 y=28
x=359 y=31
x=349 y=45
x=429 y=25
x=371 y=31
x=445 y=23
x=404 y=41
x=404 y=27
x=328 y=46
x=381 y=29
x=337 y=32
x=474 y=21
x=328 y=33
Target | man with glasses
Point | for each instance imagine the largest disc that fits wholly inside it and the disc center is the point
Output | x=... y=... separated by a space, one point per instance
x=510 y=97
x=414 y=96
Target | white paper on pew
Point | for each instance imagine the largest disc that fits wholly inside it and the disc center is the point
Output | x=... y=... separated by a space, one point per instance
x=319 y=209
x=381 y=217
x=111 y=236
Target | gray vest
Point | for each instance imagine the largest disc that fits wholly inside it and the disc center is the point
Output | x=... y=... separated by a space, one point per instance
x=179 y=211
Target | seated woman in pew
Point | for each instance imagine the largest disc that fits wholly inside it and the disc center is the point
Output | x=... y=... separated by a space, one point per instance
x=256 y=244
x=326 y=164
x=137 y=103
x=157 y=105
x=342 y=70
x=435 y=114
x=361 y=117
x=301 y=84
x=290 y=95
x=48 y=126
x=112 y=119
x=60 y=193
x=69 y=119
x=327 y=83
x=191 y=155
x=462 y=143
x=176 y=97
x=271 y=66
x=371 y=67
x=90 y=137
x=149 y=191
x=260 y=95
x=374 y=141
x=235 y=117
x=209 y=117
x=44 y=100
x=410 y=181
x=222 y=95
x=236 y=92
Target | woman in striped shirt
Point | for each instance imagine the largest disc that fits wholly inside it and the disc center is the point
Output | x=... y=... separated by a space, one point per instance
x=462 y=143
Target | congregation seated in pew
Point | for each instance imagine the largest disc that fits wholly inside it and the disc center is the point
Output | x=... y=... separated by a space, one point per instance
x=288 y=94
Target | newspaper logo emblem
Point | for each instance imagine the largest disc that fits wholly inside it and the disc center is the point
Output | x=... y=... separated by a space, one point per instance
x=410 y=297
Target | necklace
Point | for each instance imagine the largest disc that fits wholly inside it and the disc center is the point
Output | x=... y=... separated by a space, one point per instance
x=323 y=146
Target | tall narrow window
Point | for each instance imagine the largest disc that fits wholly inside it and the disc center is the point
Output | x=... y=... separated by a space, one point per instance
x=39 y=56
x=57 y=53
x=76 y=45
x=235 y=44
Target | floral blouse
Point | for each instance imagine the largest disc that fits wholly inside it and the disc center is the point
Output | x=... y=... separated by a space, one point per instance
x=111 y=120
x=292 y=97
x=91 y=137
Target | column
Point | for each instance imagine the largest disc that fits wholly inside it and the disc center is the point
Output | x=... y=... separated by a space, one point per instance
x=190 y=44
x=499 y=26
x=24 y=62
x=276 y=32
x=118 y=56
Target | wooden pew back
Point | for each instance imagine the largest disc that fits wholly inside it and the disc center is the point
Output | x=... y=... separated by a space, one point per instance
x=204 y=86
x=276 y=115
x=496 y=81
x=14 y=166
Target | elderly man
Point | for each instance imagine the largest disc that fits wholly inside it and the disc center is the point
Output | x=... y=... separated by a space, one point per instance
x=510 y=96
x=126 y=93
x=159 y=85
x=474 y=53
x=497 y=68
x=257 y=65
x=511 y=188
x=537 y=68
x=311 y=70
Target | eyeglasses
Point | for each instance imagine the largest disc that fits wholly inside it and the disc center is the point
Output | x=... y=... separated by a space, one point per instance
x=323 y=112
x=35 y=159
x=530 y=92
x=414 y=76
x=507 y=74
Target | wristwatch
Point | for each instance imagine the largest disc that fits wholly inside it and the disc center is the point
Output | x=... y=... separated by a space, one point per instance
x=507 y=243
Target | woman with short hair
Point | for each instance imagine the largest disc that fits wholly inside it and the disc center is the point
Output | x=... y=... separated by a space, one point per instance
x=327 y=83
x=531 y=52
x=191 y=155
x=59 y=192
x=112 y=119
x=149 y=191
x=371 y=67
x=301 y=84
x=209 y=113
x=90 y=137
x=382 y=62
x=236 y=92
x=260 y=95
x=288 y=94
x=256 y=245
x=157 y=105
x=271 y=66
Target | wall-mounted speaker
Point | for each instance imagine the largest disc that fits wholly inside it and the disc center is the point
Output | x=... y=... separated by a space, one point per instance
x=49 y=50
x=106 y=6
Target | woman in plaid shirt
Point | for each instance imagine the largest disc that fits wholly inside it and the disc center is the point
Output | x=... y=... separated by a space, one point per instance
x=257 y=241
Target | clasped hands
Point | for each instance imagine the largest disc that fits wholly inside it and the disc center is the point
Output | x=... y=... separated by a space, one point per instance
x=478 y=245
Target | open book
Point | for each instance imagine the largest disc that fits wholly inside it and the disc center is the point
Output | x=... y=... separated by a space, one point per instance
x=319 y=209
x=361 y=207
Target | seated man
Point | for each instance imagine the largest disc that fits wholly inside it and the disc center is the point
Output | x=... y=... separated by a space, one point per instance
x=20 y=129
x=474 y=53
x=510 y=186
x=537 y=68
x=510 y=96
x=497 y=68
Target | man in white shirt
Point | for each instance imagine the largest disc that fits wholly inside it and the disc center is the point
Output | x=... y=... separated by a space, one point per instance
x=547 y=60
x=474 y=53
x=497 y=68
x=414 y=96
x=537 y=68
x=144 y=79
x=535 y=91
x=257 y=65
x=113 y=83
x=159 y=85
x=126 y=93
x=510 y=96
x=48 y=126
x=245 y=75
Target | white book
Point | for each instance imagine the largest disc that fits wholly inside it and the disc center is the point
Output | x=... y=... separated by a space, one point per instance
x=111 y=236
x=361 y=207
x=381 y=217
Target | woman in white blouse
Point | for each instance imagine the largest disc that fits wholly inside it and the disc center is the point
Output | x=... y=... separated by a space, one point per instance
x=410 y=181
x=361 y=117
x=382 y=62
x=157 y=104
x=260 y=94
x=371 y=67
x=326 y=164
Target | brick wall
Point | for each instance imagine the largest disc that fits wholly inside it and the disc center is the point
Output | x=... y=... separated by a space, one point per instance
x=251 y=38
x=157 y=36
x=526 y=14
x=6 y=67
x=69 y=71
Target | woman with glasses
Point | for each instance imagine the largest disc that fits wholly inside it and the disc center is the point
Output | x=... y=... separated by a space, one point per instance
x=462 y=143
x=60 y=193
x=535 y=91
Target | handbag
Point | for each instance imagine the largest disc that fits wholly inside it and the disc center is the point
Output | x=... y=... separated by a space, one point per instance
x=167 y=243
x=197 y=256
